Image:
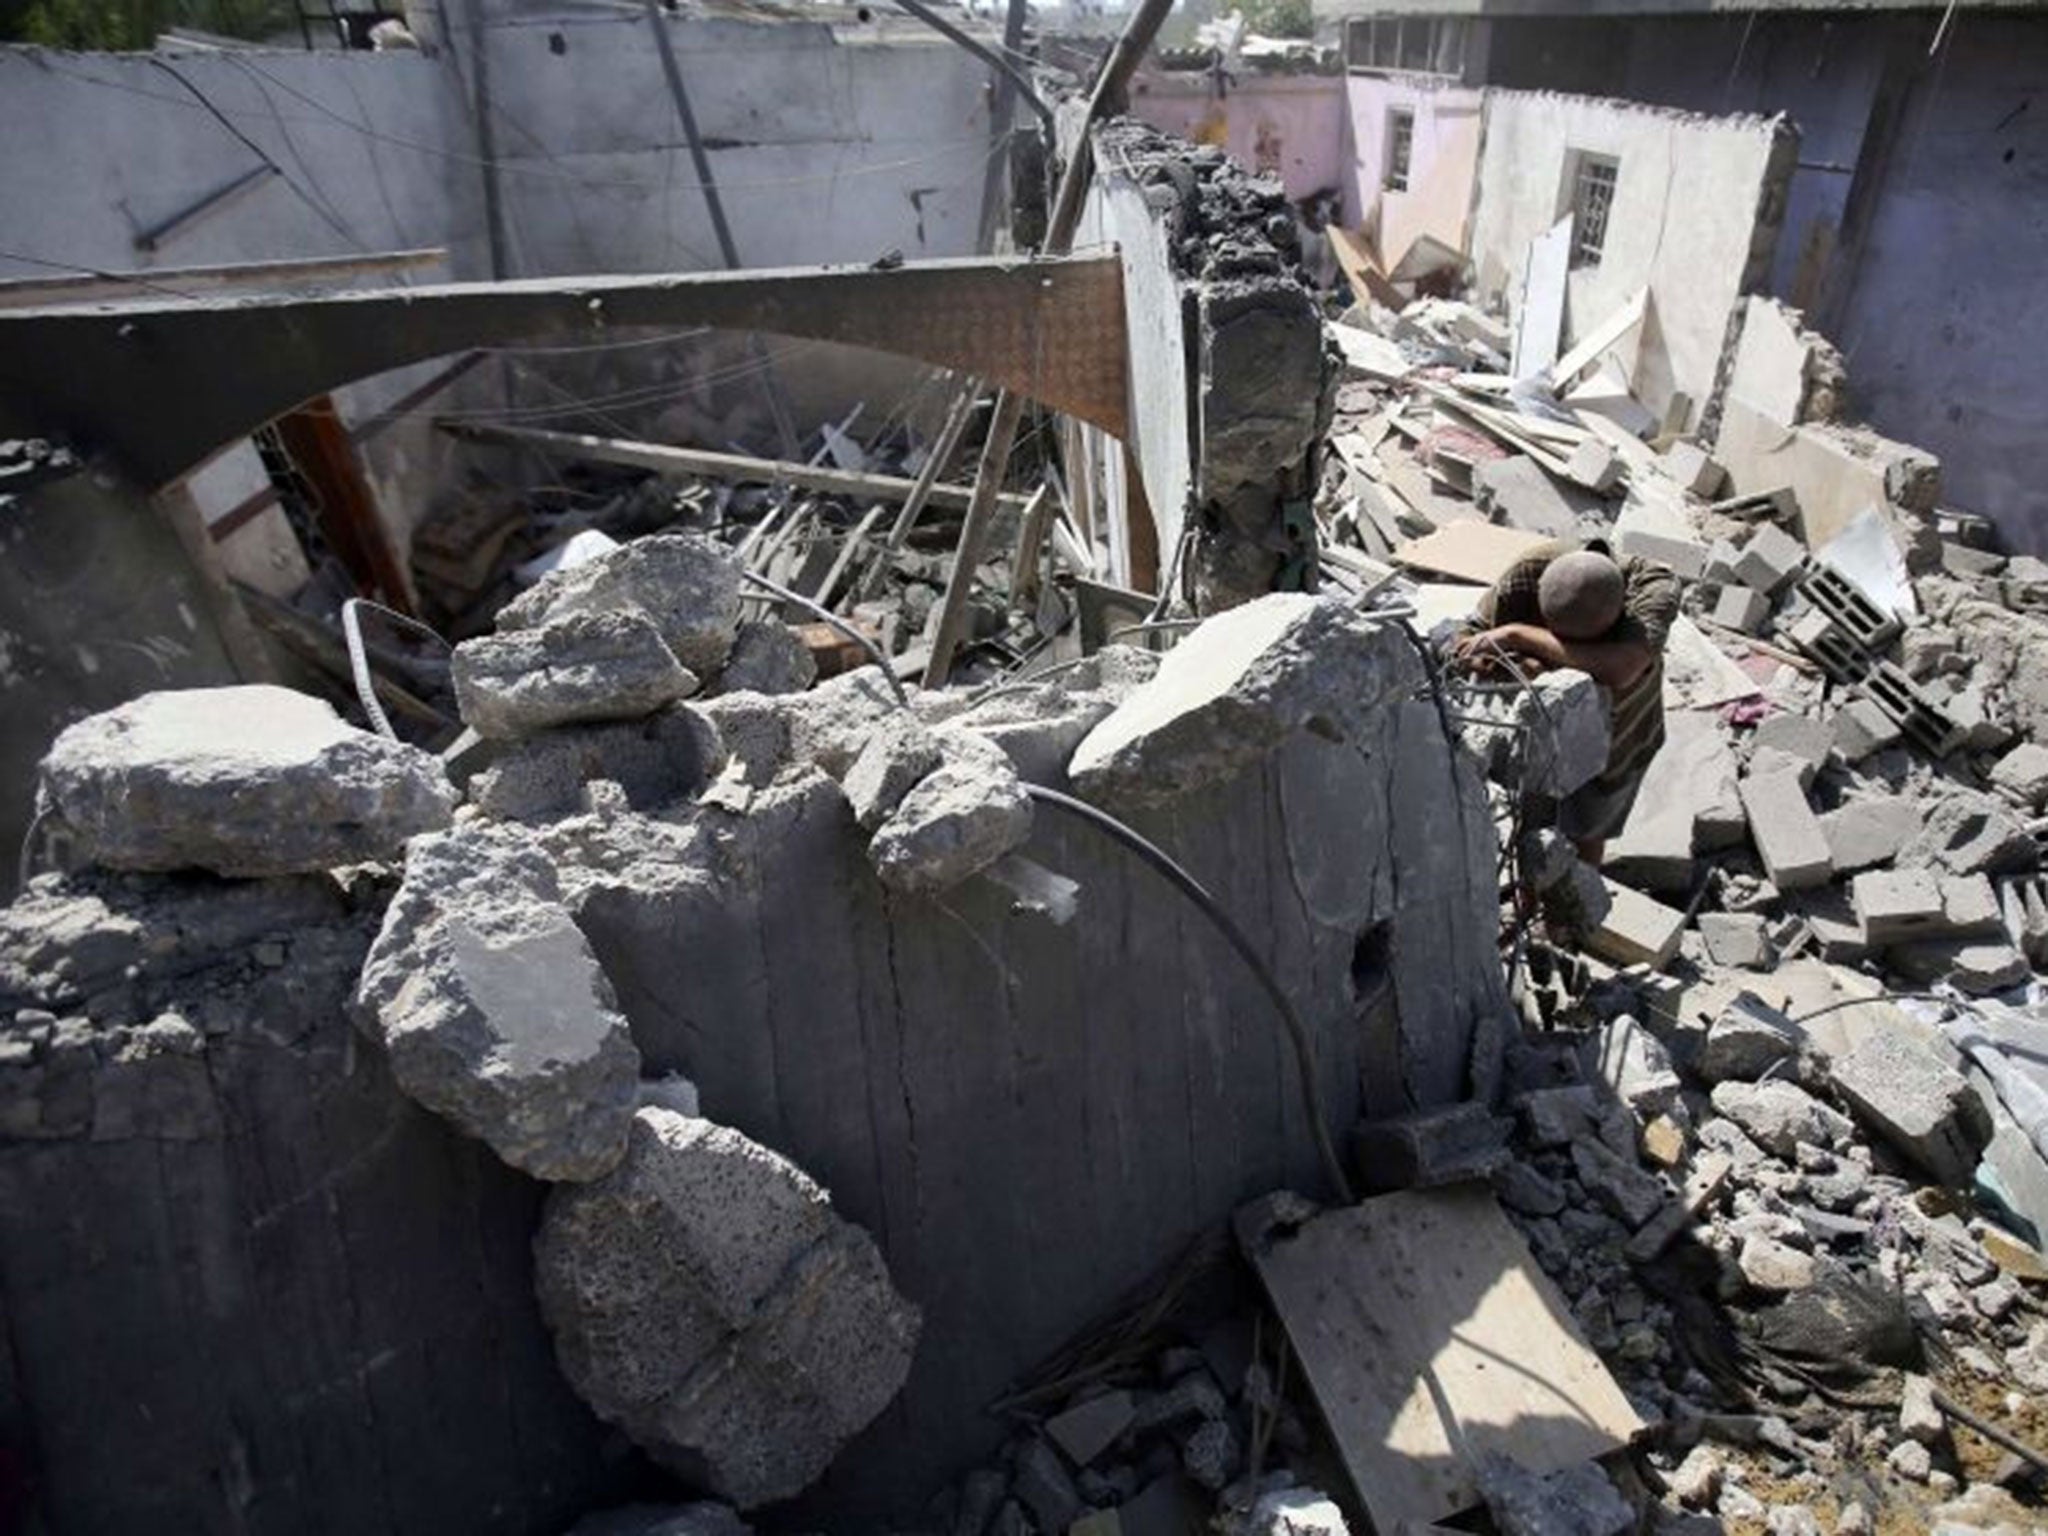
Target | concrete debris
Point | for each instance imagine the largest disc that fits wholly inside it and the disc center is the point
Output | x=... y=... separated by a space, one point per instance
x=1736 y=939
x=493 y=1011
x=1869 y=831
x=956 y=821
x=767 y=657
x=686 y=585
x=1234 y=687
x=1778 y=1115
x=244 y=782
x=1637 y=930
x=1429 y=1147
x=1770 y=1265
x=1749 y=1039
x=582 y=666
x=1921 y=1106
x=656 y=763
x=705 y=1297
x=900 y=752
x=1968 y=834
x=1579 y=1501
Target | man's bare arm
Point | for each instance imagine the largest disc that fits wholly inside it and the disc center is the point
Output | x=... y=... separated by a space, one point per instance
x=1614 y=664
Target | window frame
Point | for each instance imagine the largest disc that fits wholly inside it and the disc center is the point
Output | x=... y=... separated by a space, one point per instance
x=1398 y=160
x=1589 y=198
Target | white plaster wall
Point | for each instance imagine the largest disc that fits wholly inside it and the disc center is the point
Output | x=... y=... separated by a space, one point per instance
x=1442 y=164
x=1684 y=218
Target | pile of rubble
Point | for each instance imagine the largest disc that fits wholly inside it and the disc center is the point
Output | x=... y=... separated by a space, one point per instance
x=1736 y=1155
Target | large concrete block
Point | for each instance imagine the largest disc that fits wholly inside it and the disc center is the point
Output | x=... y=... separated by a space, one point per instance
x=492 y=1009
x=1897 y=905
x=579 y=667
x=706 y=1298
x=1237 y=686
x=686 y=585
x=240 y=781
x=1922 y=1106
x=1869 y=830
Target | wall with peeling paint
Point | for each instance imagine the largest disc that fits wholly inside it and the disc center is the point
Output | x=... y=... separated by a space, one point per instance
x=1287 y=126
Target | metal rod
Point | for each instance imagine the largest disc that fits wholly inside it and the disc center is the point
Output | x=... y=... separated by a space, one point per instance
x=778 y=407
x=214 y=201
x=983 y=52
x=1002 y=431
x=1989 y=1431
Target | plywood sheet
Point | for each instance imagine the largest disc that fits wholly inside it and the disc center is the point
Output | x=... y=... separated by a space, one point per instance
x=1430 y=1337
x=1470 y=551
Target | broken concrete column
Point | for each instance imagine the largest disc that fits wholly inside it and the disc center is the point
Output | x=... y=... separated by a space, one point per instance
x=706 y=1298
x=1922 y=1106
x=492 y=1009
x=686 y=585
x=579 y=667
x=1227 y=695
x=242 y=781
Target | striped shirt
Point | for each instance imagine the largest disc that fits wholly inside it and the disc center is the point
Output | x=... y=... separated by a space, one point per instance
x=1649 y=605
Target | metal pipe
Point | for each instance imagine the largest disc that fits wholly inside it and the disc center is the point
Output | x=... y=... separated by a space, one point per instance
x=983 y=52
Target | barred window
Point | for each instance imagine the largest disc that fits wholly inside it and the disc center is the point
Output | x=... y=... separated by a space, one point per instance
x=1593 y=182
x=1400 y=147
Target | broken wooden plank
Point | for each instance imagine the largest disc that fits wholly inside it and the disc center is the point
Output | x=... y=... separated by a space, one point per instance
x=668 y=460
x=1596 y=341
x=847 y=551
x=1472 y=551
x=1430 y=1339
x=1368 y=284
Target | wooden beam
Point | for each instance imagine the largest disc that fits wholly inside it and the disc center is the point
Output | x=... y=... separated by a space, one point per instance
x=666 y=460
x=320 y=450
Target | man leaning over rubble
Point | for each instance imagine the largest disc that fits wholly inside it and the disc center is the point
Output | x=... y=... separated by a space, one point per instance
x=1564 y=605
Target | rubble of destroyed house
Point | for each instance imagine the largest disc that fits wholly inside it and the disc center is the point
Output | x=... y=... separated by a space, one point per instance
x=675 y=1028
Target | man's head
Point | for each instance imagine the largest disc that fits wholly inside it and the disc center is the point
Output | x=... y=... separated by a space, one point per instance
x=1580 y=595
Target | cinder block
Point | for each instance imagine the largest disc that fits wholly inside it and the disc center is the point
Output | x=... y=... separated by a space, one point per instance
x=1771 y=558
x=1786 y=832
x=1742 y=608
x=1692 y=467
x=1593 y=464
x=1861 y=728
x=1897 y=905
x=1638 y=931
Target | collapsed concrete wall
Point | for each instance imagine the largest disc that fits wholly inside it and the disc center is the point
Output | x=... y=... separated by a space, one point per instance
x=1694 y=212
x=1778 y=430
x=247 y=1284
x=1029 y=1095
x=1231 y=382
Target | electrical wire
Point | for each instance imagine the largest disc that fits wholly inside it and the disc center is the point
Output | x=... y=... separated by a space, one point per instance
x=359 y=658
x=1175 y=874
x=828 y=616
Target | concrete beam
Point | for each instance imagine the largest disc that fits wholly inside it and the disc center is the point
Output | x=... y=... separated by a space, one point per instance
x=158 y=385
